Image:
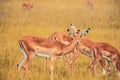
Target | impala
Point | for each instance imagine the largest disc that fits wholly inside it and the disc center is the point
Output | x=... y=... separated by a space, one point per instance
x=65 y=39
x=32 y=46
x=85 y=47
x=27 y=5
x=104 y=50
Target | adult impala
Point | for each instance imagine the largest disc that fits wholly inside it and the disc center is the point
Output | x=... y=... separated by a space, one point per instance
x=104 y=50
x=32 y=46
x=27 y=5
x=65 y=39
x=85 y=47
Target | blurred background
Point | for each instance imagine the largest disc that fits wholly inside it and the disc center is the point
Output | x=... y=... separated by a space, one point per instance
x=48 y=16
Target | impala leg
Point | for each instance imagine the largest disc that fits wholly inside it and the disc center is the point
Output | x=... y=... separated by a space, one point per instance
x=105 y=66
x=70 y=62
x=25 y=65
x=24 y=56
x=118 y=73
x=93 y=53
x=115 y=67
x=92 y=66
x=52 y=62
x=20 y=66
x=118 y=67
x=22 y=61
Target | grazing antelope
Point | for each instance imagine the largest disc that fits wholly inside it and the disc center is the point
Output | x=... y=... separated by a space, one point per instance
x=104 y=50
x=32 y=46
x=27 y=5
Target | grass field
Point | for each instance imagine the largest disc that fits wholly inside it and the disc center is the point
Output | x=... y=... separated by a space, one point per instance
x=47 y=17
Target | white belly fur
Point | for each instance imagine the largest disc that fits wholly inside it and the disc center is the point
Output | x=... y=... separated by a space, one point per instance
x=43 y=55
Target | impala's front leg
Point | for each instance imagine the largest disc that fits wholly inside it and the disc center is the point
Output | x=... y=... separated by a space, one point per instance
x=52 y=62
x=92 y=66
x=94 y=57
x=71 y=60
x=105 y=66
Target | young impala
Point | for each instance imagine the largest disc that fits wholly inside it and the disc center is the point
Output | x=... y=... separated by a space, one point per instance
x=32 y=46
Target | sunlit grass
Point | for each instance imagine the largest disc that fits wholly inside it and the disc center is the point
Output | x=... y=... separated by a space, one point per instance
x=45 y=18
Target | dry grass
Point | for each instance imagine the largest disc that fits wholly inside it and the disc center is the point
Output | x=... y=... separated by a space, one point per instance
x=47 y=17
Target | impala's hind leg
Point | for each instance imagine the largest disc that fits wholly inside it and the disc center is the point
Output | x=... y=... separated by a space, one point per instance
x=25 y=65
x=118 y=73
x=24 y=56
x=23 y=59
x=118 y=67
x=105 y=66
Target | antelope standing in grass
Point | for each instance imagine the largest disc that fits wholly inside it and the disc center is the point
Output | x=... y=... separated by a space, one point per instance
x=86 y=47
x=65 y=39
x=27 y=5
x=32 y=46
x=102 y=50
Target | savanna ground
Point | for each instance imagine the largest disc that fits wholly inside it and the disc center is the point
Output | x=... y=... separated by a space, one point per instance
x=47 y=17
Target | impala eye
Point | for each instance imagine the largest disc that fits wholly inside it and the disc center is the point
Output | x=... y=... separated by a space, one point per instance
x=88 y=28
x=78 y=30
x=68 y=30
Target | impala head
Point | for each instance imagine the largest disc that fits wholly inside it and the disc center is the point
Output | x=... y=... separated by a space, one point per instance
x=77 y=32
x=84 y=32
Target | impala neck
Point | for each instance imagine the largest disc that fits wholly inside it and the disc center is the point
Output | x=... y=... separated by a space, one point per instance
x=69 y=48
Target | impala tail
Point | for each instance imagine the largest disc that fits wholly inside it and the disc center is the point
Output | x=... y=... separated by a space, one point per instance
x=24 y=56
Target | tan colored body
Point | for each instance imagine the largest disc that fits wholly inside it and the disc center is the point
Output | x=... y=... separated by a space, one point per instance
x=27 y=5
x=102 y=50
x=86 y=46
x=61 y=37
x=32 y=46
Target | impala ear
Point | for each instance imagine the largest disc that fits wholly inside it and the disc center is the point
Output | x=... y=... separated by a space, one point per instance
x=72 y=27
x=69 y=31
x=84 y=32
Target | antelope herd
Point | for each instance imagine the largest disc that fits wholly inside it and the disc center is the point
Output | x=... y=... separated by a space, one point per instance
x=61 y=44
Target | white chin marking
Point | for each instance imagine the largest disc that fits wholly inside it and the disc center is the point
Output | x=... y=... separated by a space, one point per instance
x=43 y=55
x=103 y=72
x=119 y=74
